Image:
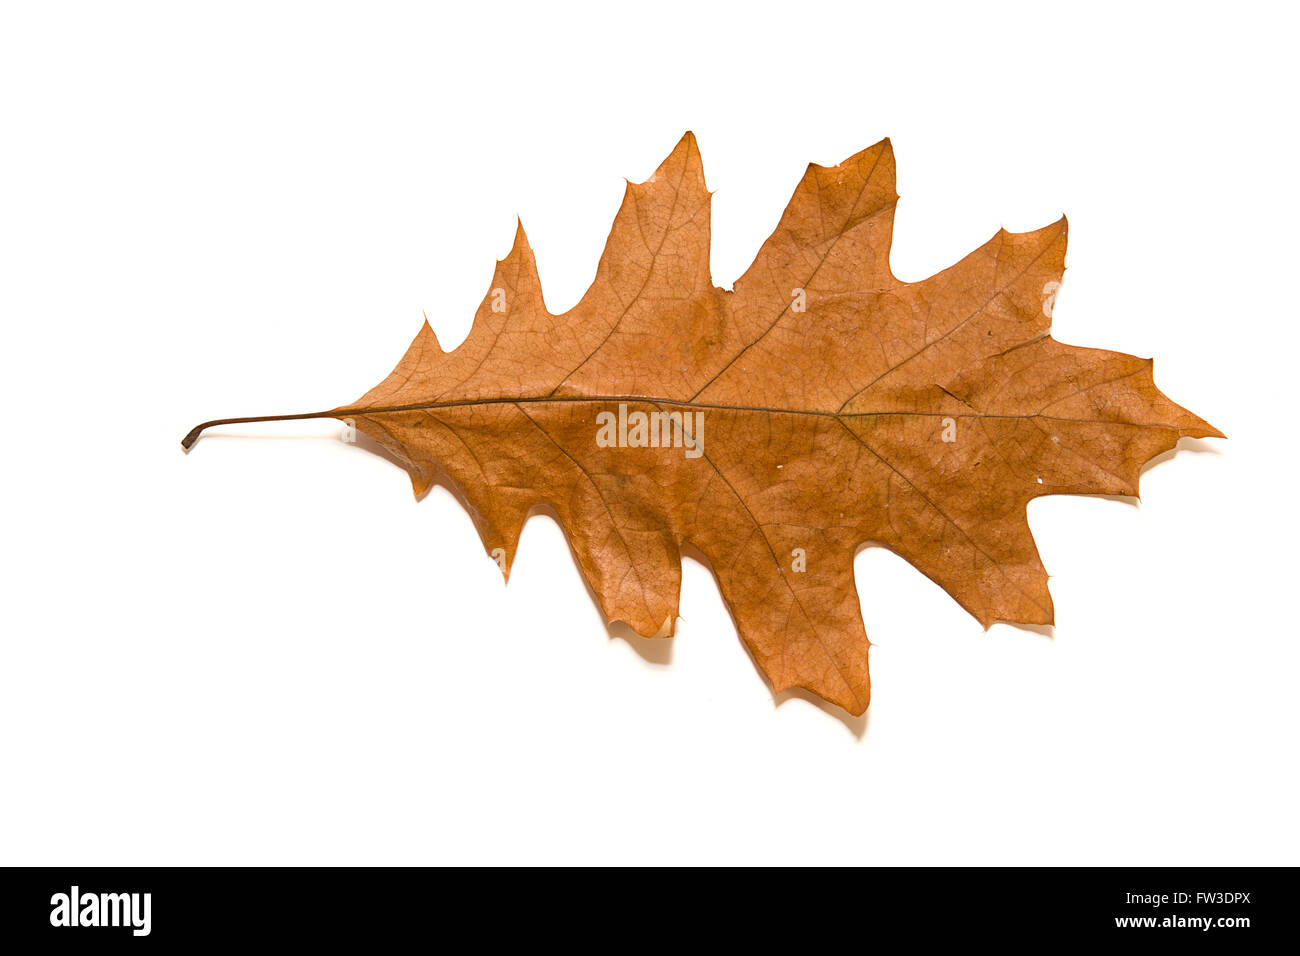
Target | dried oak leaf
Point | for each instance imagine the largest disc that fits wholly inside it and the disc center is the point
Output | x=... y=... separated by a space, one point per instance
x=838 y=406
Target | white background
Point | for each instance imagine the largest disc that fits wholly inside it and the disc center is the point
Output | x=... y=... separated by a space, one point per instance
x=267 y=652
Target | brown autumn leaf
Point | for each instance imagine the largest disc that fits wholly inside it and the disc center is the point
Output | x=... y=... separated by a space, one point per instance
x=821 y=405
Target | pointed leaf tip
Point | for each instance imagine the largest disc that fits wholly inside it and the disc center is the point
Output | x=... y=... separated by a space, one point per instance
x=683 y=164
